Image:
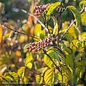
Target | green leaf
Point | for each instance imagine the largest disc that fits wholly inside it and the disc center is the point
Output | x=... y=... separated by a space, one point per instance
x=48 y=61
x=36 y=65
x=42 y=70
x=60 y=56
x=55 y=30
x=82 y=36
x=76 y=14
x=82 y=63
x=73 y=31
x=26 y=46
x=83 y=18
x=67 y=50
x=78 y=57
x=38 y=78
x=29 y=58
x=12 y=76
x=21 y=72
x=49 y=76
x=69 y=37
x=51 y=8
x=69 y=60
x=66 y=73
x=39 y=32
x=82 y=3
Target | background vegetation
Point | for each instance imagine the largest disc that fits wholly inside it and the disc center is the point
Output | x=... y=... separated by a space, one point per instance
x=43 y=48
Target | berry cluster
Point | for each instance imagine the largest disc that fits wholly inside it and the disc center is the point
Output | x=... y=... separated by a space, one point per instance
x=36 y=46
x=40 y=9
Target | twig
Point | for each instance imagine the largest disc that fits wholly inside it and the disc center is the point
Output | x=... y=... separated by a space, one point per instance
x=67 y=29
x=52 y=60
x=18 y=31
x=70 y=25
x=35 y=18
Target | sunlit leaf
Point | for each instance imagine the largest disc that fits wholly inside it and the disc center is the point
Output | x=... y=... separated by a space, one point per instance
x=12 y=76
x=43 y=70
x=1 y=33
x=27 y=61
x=29 y=65
x=66 y=75
x=50 y=29
x=39 y=32
x=82 y=36
x=55 y=30
x=21 y=72
x=25 y=27
x=83 y=18
x=64 y=26
x=25 y=80
x=0 y=77
x=22 y=38
x=53 y=56
x=73 y=31
x=49 y=76
x=82 y=3
x=38 y=78
x=78 y=74
x=51 y=8
x=18 y=53
x=30 y=20
x=76 y=14
x=26 y=47
x=32 y=31
x=29 y=58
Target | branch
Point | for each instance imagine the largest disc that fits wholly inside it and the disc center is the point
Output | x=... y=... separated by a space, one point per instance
x=18 y=31
x=70 y=25
x=52 y=60
x=35 y=18
x=67 y=29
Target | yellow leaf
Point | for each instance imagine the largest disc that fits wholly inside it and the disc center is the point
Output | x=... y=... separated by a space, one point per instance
x=49 y=76
x=29 y=58
x=1 y=33
x=83 y=18
x=21 y=71
x=73 y=31
x=82 y=36
x=29 y=65
x=23 y=38
x=1 y=7
x=18 y=53
x=51 y=8
x=0 y=76
x=82 y=4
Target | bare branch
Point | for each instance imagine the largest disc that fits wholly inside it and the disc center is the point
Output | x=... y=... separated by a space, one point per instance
x=52 y=60
x=67 y=29
x=18 y=31
x=35 y=18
